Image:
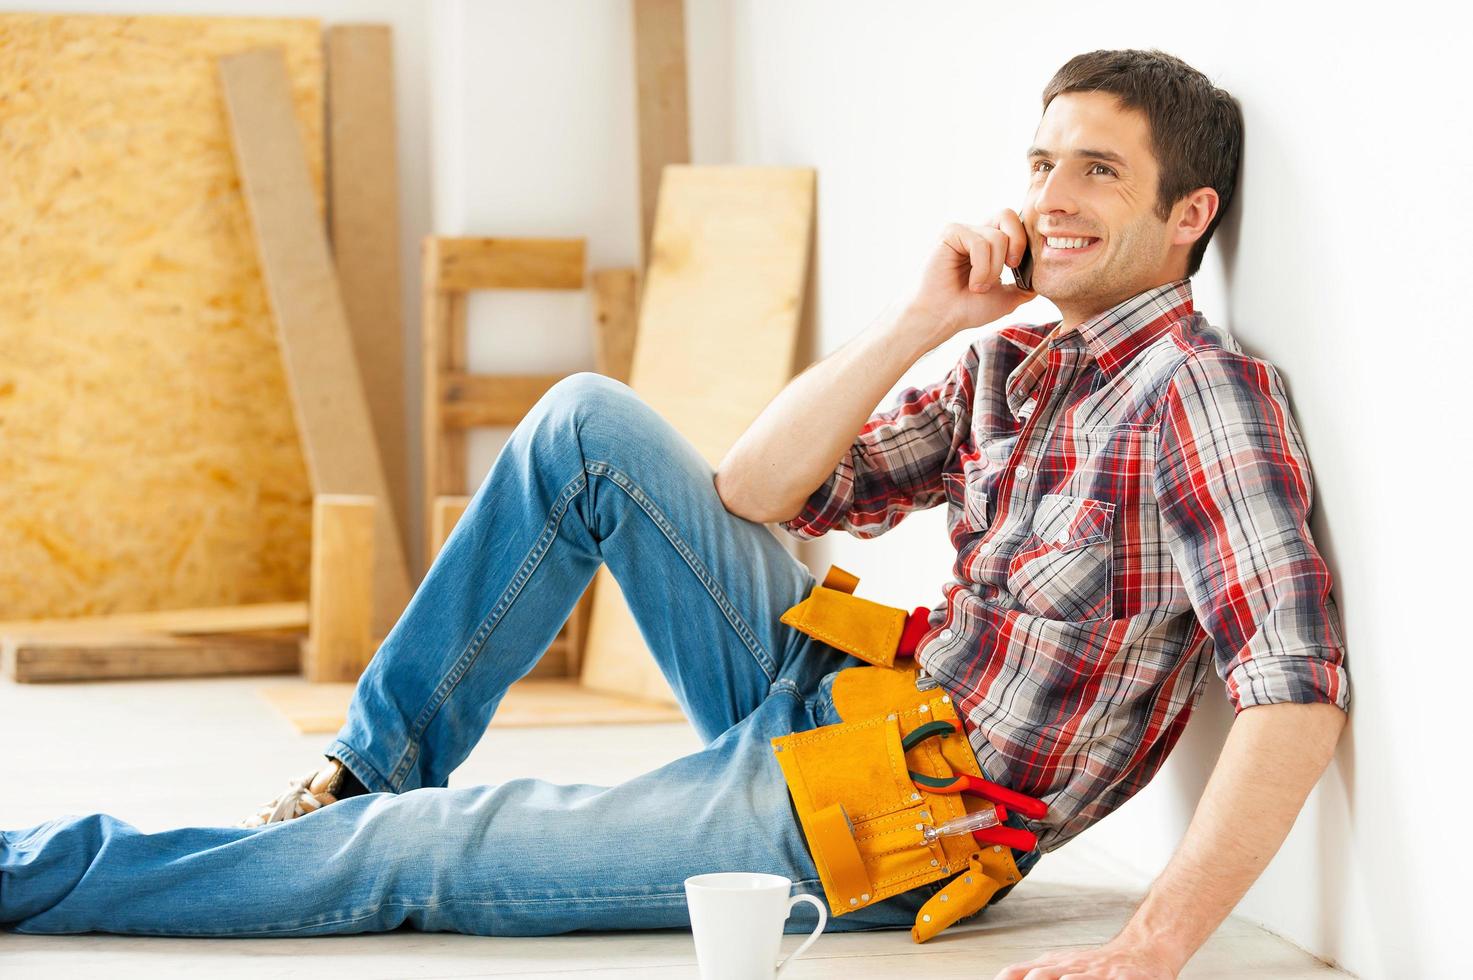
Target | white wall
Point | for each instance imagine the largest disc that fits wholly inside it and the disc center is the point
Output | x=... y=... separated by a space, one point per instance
x=534 y=135
x=1356 y=169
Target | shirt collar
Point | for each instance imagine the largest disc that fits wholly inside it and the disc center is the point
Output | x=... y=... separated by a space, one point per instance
x=1112 y=338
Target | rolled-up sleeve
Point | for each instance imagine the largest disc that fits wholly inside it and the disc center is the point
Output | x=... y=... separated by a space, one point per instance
x=895 y=464
x=1235 y=490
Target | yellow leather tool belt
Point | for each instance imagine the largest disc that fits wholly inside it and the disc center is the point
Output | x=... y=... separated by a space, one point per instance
x=862 y=814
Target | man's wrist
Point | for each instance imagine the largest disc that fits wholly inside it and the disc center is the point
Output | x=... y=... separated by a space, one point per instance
x=918 y=329
x=1158 y=942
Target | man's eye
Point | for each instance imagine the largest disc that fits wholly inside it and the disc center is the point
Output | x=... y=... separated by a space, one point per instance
x=1045 y=163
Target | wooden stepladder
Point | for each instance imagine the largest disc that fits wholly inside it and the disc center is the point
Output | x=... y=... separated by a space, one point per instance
x=456 y=400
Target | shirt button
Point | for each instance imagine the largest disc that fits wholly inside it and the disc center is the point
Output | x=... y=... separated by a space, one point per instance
x=1022 y=472
x=947 y=634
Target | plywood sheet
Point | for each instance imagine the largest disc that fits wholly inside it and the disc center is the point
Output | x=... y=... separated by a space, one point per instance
x=717 y=340
x=150 y=458
x=323 y=708
x=307 y=306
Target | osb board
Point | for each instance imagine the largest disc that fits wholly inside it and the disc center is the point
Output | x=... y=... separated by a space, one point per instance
x=323 y=708
x=151 y=457
x=717 y=340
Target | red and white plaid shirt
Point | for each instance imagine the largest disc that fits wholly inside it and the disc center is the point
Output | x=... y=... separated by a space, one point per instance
x=1130 y=506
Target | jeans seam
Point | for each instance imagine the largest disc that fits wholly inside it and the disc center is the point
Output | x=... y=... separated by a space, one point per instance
x=675 y=895
x=483 y=632
x=698 y=567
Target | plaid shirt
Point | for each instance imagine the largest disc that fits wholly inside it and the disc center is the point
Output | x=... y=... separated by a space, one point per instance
x=1129 y=502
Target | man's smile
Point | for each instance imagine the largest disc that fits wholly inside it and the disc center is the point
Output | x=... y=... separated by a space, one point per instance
x=1063 y=247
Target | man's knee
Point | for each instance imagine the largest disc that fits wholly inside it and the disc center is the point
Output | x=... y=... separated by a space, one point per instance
x=593 y=406
x=586 y=393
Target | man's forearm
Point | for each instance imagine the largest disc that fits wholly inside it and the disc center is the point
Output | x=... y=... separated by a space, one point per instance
x=793 y=446
x=1273 y=756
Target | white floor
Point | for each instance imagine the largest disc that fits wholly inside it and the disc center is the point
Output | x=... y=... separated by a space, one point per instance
x=162 y=754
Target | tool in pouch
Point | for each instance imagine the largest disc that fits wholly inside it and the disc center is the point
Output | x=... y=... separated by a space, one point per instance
x=880 y=795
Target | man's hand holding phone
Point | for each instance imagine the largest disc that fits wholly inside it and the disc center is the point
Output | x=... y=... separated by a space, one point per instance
x=962 y=286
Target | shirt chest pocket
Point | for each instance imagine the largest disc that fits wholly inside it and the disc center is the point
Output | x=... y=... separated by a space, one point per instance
x=1063 y=569
x=970 y=500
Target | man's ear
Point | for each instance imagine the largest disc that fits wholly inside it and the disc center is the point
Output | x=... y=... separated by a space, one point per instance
x=1197 y=211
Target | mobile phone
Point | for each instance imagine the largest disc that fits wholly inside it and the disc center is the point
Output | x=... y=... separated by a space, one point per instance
x=1023 y=271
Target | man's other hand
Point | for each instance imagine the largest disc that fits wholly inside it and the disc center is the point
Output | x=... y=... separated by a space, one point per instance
x=1108 y=962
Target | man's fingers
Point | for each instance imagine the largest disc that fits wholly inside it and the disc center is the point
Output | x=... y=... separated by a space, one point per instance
x=981 y=252
x=984 y=248
x=1017 y=971
x=1012 y=226
x=997 y=254
x=966 y=240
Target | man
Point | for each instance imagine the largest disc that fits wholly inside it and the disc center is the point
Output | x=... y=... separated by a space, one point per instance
x=1077 y=651
x=1129 y=498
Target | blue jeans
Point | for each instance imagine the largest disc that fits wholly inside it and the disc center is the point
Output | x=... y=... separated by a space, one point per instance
x=591 y=475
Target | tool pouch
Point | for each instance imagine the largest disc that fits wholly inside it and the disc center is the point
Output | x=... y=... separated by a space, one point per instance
x=834 y=615
x=860 y=811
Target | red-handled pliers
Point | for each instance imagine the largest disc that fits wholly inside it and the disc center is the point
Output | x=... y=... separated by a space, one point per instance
x=1000 y=797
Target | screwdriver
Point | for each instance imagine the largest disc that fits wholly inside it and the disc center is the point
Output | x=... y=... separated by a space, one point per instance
x=981 y=820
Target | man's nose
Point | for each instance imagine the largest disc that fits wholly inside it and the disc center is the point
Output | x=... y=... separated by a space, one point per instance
x=1054 y=193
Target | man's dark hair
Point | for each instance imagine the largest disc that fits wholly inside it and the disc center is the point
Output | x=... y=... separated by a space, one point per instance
x=1196 y=128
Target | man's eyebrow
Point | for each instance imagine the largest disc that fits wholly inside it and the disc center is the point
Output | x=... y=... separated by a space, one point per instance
x=1038 y=151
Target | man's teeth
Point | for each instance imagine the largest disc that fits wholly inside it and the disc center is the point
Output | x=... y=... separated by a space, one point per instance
x=1068 y=242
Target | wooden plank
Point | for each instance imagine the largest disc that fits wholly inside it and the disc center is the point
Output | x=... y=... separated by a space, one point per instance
x=340 y=643
x=664 y=127
x=553 y=664
x=616 y=320
x=363 y=198
x=137 y=359
x=323 y=708
x=227 y=619
x=443 y=350
x=576 y=632
x=718 y=332
x=509 y=263
x=84 y=657
x=327 y=391
x=616 y=313
x=469 y=400
x=446 y=514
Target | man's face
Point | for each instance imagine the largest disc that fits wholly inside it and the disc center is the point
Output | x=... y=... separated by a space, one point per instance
x=1109 y=198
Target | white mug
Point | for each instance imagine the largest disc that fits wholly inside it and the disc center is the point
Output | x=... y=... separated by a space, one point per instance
x=737 y=918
